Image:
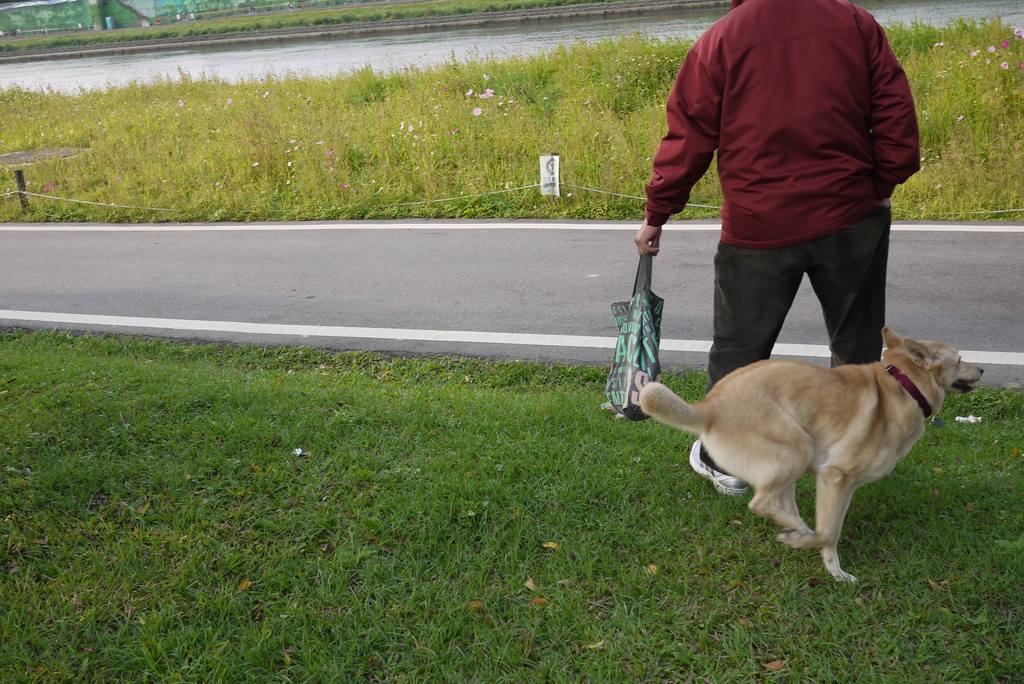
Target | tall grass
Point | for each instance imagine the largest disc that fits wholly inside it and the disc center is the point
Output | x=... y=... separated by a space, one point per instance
x=366 y=145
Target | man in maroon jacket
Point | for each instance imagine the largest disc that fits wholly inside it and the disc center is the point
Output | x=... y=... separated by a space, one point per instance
x=814 y=124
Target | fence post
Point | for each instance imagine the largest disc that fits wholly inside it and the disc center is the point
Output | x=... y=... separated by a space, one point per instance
x=549 y=176
x=19 y=177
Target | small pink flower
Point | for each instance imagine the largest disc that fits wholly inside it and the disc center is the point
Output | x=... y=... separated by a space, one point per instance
x=1005 y=43
x=469 y=92
x=486 y=77
x=477 y=111
x=1021 y=65
x=1004 y=65
x=229 y=100
x=344 y=185
x=330 y=153
x=991 y=48
x=974 y=53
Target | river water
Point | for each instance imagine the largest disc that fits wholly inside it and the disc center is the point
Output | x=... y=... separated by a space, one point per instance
x=396 y=52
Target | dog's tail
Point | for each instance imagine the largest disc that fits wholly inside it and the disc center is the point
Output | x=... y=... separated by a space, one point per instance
x=662 y=404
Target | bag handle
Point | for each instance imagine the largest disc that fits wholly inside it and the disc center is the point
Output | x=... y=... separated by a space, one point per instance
x=643 y=273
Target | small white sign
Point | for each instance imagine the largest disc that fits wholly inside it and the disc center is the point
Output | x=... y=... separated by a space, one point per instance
x=549 y=175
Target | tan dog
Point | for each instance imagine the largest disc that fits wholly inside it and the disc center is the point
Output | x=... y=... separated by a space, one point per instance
x=773 y=421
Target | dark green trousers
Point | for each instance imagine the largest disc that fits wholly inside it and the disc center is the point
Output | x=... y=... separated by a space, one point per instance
x=755 y=288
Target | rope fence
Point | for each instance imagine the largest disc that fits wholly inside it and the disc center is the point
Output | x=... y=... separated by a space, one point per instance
x=23 y=194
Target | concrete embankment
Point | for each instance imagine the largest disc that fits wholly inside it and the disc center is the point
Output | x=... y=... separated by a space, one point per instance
x=415 y=25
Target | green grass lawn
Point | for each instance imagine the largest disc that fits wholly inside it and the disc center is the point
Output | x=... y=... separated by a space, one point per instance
x=206 y=513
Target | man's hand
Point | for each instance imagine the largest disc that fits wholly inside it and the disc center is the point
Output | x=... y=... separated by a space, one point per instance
x=648 y=239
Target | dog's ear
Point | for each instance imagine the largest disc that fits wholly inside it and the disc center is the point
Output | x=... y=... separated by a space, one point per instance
x=920 y=353
x=891 y=339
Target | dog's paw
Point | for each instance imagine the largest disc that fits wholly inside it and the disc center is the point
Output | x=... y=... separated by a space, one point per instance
x=796 y=539
x=841 y=576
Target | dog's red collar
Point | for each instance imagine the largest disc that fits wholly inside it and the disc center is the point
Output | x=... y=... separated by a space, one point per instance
x=911 y=388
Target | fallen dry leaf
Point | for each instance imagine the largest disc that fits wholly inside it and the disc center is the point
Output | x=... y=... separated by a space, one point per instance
x=599 y=644
x=745 y=622
x=970 y=506
x=244 y=584
x=475 y=606
x=774 y=665
x=652 y=569
x=551 y=545
x=530 y=585
x=734 y=586
x=938 y=586
x=736 y=522
x=539 y=601
x=816 y=582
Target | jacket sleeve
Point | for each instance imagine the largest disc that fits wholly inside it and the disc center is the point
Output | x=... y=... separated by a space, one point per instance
x=895 y=138
x=686 y=151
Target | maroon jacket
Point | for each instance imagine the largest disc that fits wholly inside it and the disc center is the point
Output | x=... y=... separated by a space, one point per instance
x=811 y=115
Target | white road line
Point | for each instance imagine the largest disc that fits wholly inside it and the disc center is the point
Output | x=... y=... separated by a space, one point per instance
x=992 y=227
x=8 y=317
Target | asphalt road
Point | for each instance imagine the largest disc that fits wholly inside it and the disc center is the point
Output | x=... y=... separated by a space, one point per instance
x=501 y=289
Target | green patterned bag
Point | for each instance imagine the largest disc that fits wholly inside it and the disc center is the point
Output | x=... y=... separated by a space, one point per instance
x=636 y=351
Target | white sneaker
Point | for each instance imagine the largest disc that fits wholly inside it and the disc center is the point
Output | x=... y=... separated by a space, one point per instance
x=726 y=484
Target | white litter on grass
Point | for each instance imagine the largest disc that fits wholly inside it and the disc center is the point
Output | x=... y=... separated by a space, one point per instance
x=297 y=452
x=20 y=471
x=968 y=419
